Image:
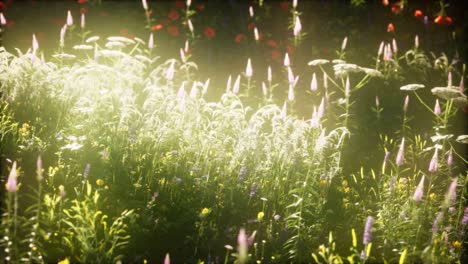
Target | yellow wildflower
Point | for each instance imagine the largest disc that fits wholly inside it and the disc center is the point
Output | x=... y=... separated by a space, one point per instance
x=456 y=244
x=205 y=211
x=260 y=216
x=100 y=182
x=65 y=261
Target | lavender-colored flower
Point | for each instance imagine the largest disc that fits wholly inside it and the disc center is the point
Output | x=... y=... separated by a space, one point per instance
x=86 y=171
x=452 y=210
x=437 y=110
x=276 y=217
x=437 y=220
x=450 y=158
x=236 y=87
x=83 y=21
x=451 y=195
x=400 y=159
x=253 y=189
x=242 y=173
x=464 y=220
x=363 y=255
x=394 y=46
x=242 y=246
x=313 y=83
x=433 y=165
x=418 y=193
x=69 y=19
x=368 y=230
x=391 y=185
x=167 y=259
x=151 y=41
x=426 y=21
x=248 y=69
x=387 y=156
x=3 y=21
x=12 y=184
x=39 y=168
x=291 y=93
x=381 y=48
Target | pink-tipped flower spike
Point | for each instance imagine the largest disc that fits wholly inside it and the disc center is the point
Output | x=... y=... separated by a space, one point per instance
x=291 y=93
x=416 y=41
x=35 y=44
x=193 y=91
x=170 y=71
x=190 y=26
x=313 y=83
x=236 y=87
x=167 y=259
x=248 y=69
x=381 y=49
x=462 y=85
x=344 y=43
x=151 y=41
x=3 y=21
x=269 y=75
x=251 y=238
x=242 y=246
x=377 y=101
x=449 y=80
x=189 y=3
x=228 y=84
x=181 y=92
x=283 y=111
x=290 y=76
x=321 y=108
x=286 y=61
x=69 y=19
x=437 y=110
x=251 y=11
x=367 y=237
x=264 y=89
x=294 y=4
x=347 y=87
x=314 y=121
x=451 y=196
x=325 y=80
x=12 y=184
x=400 y=159
x=145 y=4
x=433 y=165
x=297 y=27
x=450 y=158
x=205 y=87
x=405 y=104
x=394 y=46
x=418 y=193
x=256 y=34
x=83 y=22
x=63 y=31
x=39 y=168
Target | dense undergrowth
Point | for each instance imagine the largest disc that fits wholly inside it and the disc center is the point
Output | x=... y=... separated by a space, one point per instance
x=111 y=154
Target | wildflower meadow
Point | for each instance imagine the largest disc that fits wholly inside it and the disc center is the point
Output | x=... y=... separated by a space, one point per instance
x=233 y=131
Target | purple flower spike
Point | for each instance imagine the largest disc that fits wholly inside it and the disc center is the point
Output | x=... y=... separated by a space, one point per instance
x=418 y=193
x=400 y=159
x=368 y=230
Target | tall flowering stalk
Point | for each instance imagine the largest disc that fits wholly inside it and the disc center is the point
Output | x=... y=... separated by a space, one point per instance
x=418 y=193
x=367 y=237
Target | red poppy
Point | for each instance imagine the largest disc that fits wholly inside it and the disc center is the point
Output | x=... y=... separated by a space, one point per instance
x=82 y=1
x=397 y=7
x=284 y=5
x=156 y=27
x=418 y=14
x=200 y=7
x=239 y=37
x=251 y=26
x=275 y=54
x=173 y=30
x=83 y=10
x=209 y=32
x=385 y=2
x=390 y=27
x=180 y=4
x=272 y=43
x=173 y=15
x=443 y=20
